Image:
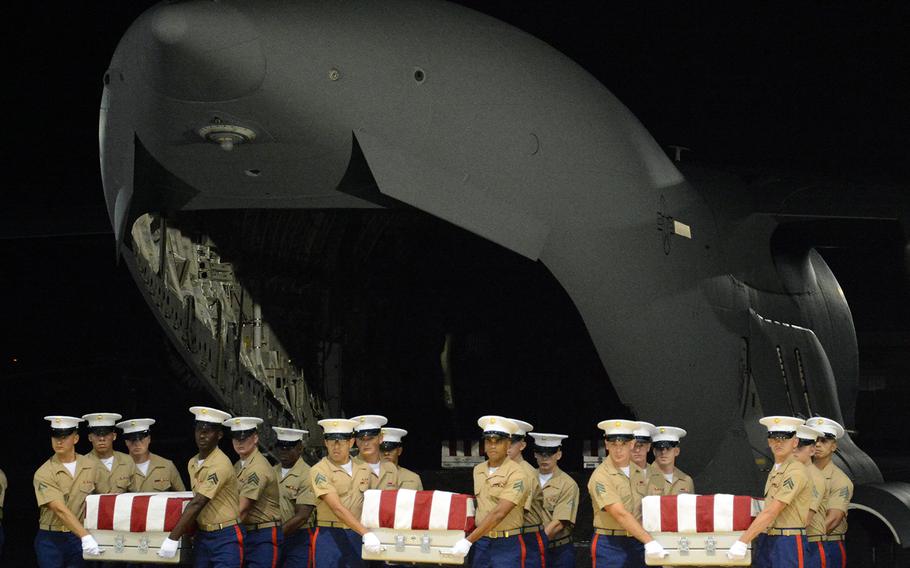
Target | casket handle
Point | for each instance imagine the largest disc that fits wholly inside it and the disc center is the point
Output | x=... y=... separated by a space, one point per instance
x=710 y=546
x=683 y=546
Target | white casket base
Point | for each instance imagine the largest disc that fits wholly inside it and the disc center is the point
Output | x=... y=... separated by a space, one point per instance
x=142 y=547
x=697 y=549
x=419 y=546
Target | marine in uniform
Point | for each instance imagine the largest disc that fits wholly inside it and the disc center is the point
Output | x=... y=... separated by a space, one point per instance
x=215 y=505
x=501 y=490
x=338 y=484
x=368 y=434
x=297 y=499
x=839 y=492
x=780 y=528
x=61 y=486
x=3 y=485
x=532 y=532
x=260 y=509
x=641 y=444
x=391 y=449
x=119 y=467
x=154 y=473
x=664 y=478
x=806 y=438
x=560 y=500
x=616 y=487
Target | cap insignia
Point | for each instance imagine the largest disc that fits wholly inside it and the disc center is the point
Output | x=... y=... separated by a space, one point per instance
x=662 y=430
x=57 y=420
x=777 y=420
x=203 y=411
x=820 y=421
x=492 y=420
x=132 y=422
x=335 y=424
x=617 y=423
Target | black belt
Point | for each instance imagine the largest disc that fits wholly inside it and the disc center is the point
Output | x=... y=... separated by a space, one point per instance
x=257 y=526
x=560 y=541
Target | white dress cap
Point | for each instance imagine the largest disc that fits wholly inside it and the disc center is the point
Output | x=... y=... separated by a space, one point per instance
x=393 y=435
x=548 y=440
x=206 y=414
x=289 y=434
x=781 y=423
x=668 y=434
x=242 y=423
x=829 y=428
x=497 y=425
x=102 y=419
x=618 y=427
x=63 y=422
x=338 y=426
x=367 y=422
x=524 y=428
x=135 y=425
x=808 y=433
x=645 y=430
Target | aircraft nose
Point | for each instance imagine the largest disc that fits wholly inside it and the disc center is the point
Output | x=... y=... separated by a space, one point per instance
x=199 y=51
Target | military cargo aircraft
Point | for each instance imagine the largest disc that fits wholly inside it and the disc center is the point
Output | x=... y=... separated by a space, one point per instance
x=397 y=204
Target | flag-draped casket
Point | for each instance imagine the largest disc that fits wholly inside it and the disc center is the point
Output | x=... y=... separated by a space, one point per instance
x=417 y=526
x=698 y=529
x=130 y=527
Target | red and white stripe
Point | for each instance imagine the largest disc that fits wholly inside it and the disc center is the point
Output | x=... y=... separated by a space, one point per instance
x=135 y=512
x=407 y=509
x=697 y=513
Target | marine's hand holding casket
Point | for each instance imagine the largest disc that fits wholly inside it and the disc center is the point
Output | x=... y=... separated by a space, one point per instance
x=371 y=543
x=654 y=548
x=168 y=548
x=737 y=550
x=90 y=546
x=461 y=548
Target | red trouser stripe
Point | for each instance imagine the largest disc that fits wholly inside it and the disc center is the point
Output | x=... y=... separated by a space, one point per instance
x=313 y=548
x=543 y=553
x=843 y=554
x=799 y=550
x=274 y=547
x=524 y=551
x=821 y=555
x=239 y=541
x=594 y=550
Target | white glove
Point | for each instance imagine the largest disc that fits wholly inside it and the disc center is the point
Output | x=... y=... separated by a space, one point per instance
x=90 y=546
x=737 y=550
x=461 y=548
x=168 y=548
x=654 y=548
x=371 y=543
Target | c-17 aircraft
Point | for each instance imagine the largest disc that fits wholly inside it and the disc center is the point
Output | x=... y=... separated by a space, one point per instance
x=296 y=186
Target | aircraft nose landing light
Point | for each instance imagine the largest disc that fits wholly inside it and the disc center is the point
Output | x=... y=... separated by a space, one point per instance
x=227 y=135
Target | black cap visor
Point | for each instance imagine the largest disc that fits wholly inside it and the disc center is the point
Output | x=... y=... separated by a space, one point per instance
x=101 y=430
x=242 y=434
x=546 y=450
x=619 y=437
x=496 y=435
x=665 y=444
x=781 y=435
x=339 y=436
x=135 y=436
x=389 y=446
x=367 y=432
x=62 y=432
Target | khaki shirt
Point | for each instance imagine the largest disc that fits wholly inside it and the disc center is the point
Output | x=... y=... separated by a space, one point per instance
x=658 y=484
x=560 y=501
x=53 y=482
x=790 y=484
x=326 y=477
x=407 y=479
x=534 y=513
x=840 y=492
x=162 y=475
x=819 y=485
x=608 y=485
x=258 y=482
x=3 y=485
x=295 y=489
x=387 y=478
x=215 y=478
x=507 y=482
x=120 y=477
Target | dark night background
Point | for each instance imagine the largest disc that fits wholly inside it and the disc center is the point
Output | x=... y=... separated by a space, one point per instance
x=818 y=90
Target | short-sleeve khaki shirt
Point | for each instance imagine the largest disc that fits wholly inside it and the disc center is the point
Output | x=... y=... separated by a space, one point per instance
x=161 y=475
x=507 y=482
x=258 y=482
x=295 y=489
x=840 y=492
x=789 y=484
x=387 y=478
x=215 y=478
x=819 y=485
x=534 y=513
x=120 y=477
x=608 y=485
x=3 y=485
x=658 y=484
x=560 y=501
x=326 y=477
x=407 y=479
x=53 y=482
